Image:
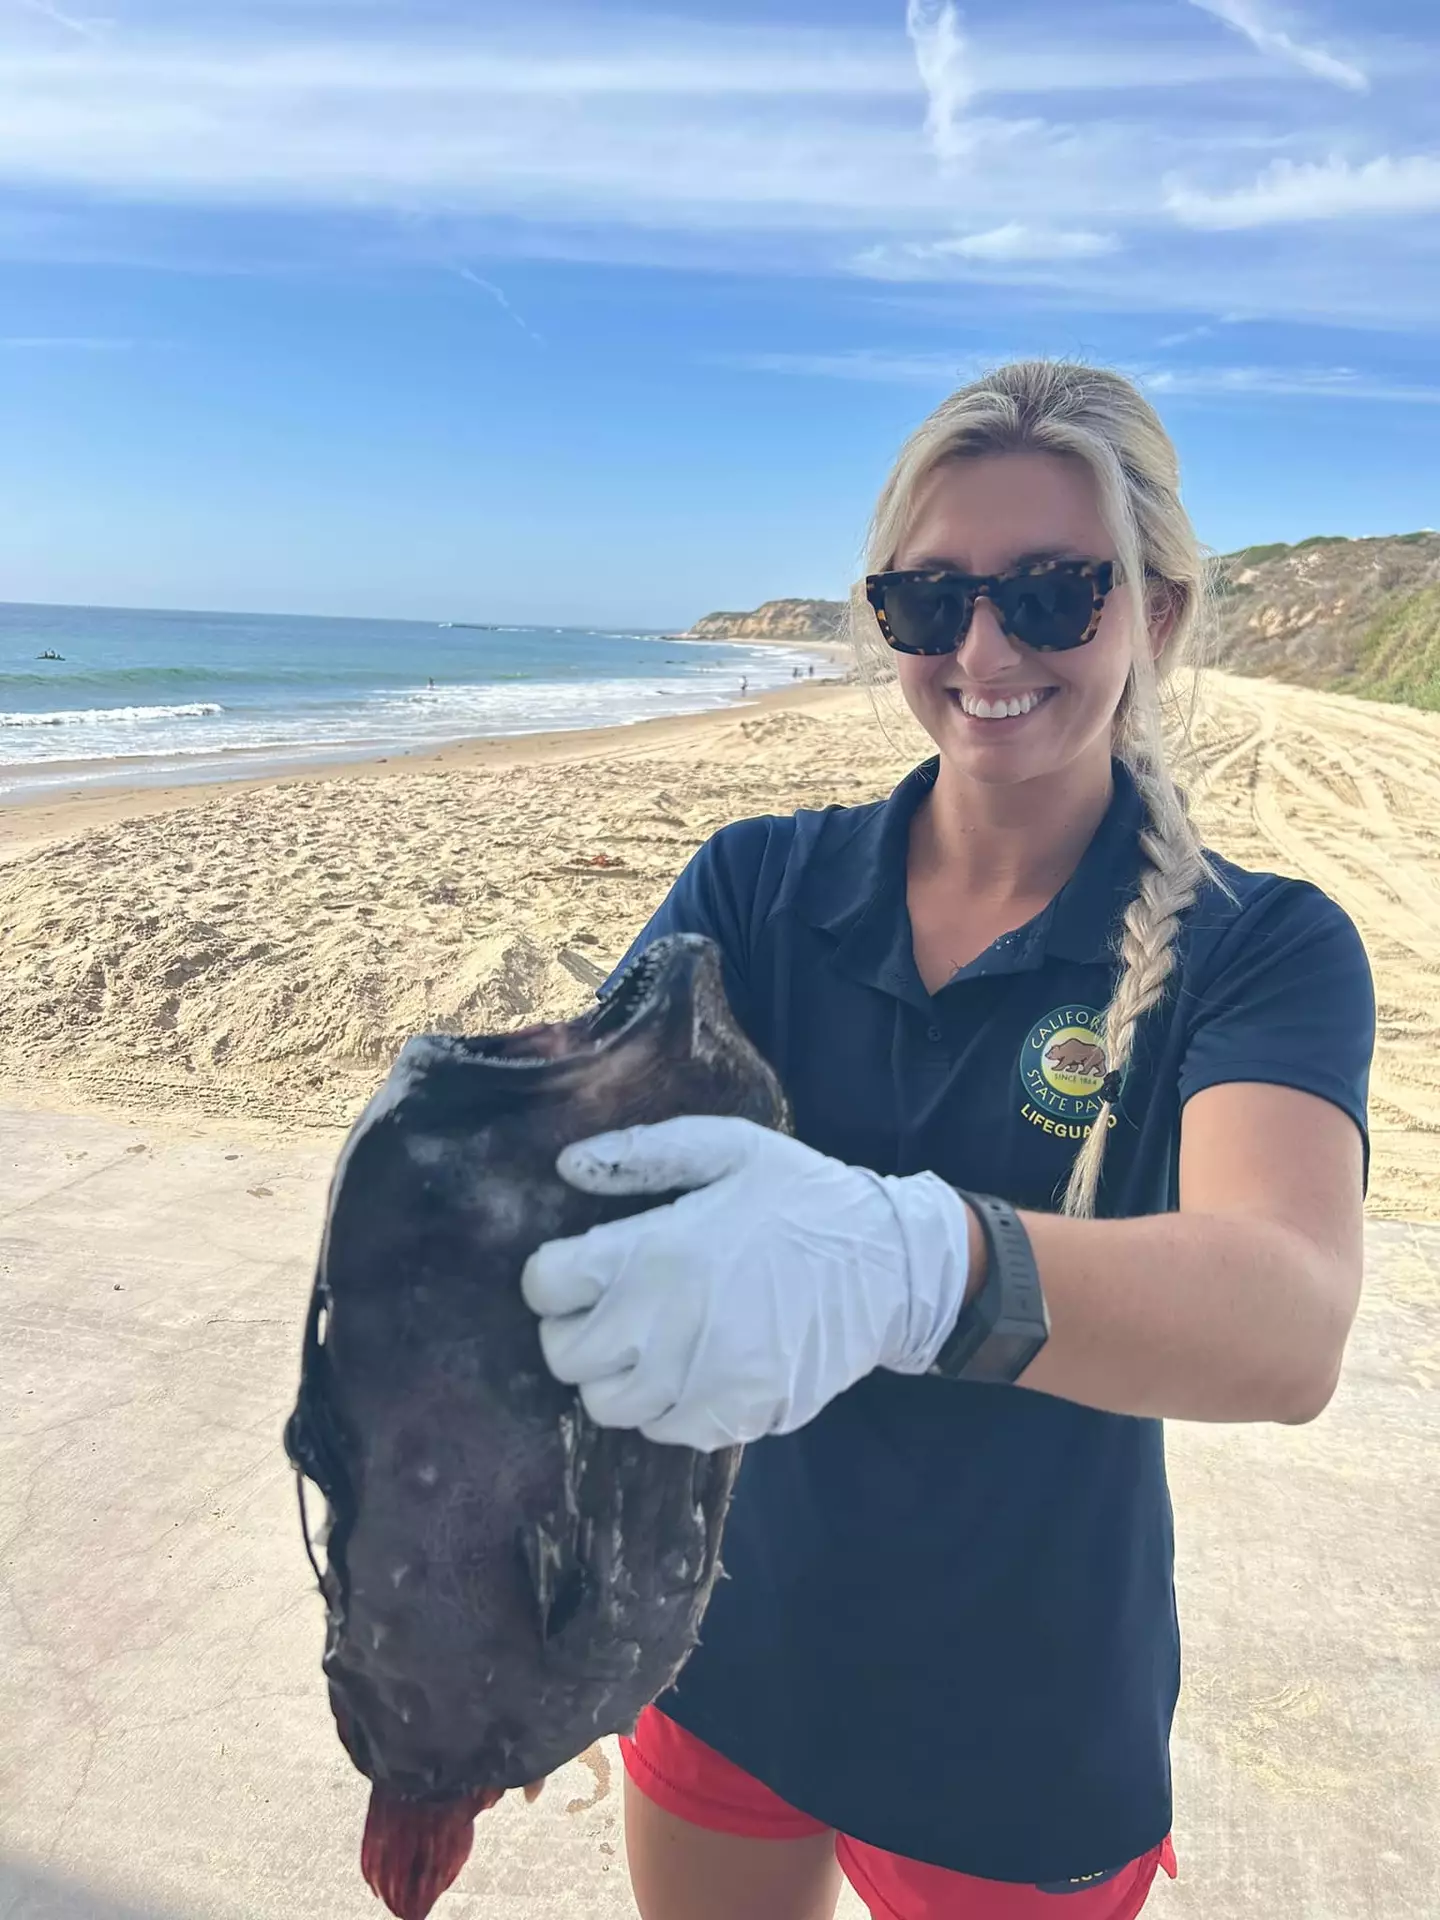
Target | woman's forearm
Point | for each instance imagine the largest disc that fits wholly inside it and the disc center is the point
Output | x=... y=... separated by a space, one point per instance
x=1188 y=1316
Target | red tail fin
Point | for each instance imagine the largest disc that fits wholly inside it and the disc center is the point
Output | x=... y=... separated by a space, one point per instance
x=413 y=1850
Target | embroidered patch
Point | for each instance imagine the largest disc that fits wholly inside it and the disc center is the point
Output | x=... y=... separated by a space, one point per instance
x=1062 y=1069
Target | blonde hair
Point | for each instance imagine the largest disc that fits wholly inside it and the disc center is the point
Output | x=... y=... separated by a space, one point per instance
x=1090 y=414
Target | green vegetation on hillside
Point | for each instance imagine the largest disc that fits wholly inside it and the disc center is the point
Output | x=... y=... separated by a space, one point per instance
x=1400 y=654
x=1358 y=616
x=1257 y=556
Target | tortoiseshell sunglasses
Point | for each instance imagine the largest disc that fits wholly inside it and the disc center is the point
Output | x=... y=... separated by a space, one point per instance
x=1051 y=606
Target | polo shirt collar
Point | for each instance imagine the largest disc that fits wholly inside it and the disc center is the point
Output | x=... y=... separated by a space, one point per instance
x=855 y=891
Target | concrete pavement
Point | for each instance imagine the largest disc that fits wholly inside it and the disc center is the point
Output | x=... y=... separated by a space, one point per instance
x=165 y=1747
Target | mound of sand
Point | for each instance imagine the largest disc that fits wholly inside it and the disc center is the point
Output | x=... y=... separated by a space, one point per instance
x=265 y=954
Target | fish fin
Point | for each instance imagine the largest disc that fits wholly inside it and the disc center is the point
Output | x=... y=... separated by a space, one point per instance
x=712 y=1486
x=412 y=1851
x=313 y=1439
x=557 y=1577
x=315 y=1445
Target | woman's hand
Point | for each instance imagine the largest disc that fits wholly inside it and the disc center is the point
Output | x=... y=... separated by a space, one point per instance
x=777 y=1279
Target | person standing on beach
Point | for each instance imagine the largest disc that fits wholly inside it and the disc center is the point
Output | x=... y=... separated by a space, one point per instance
x=1080 y=1146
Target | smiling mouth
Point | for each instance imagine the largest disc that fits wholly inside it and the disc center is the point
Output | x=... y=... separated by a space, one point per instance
x=1011 y=707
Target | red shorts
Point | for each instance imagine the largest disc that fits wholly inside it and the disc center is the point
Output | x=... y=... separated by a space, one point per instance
x=685 y=1777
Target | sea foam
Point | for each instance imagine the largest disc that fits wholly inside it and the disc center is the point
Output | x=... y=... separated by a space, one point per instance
x=111 y=716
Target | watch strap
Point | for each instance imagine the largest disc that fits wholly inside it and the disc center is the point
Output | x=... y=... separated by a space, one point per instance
x=1005 y=1325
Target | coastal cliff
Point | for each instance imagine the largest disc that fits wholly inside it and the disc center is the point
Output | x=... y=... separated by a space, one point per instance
x=776 y=620
x=1345 y=616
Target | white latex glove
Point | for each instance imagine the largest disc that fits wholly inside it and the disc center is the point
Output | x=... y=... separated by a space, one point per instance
x=744 y=1306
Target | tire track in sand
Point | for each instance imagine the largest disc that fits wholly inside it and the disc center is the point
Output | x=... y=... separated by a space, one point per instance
x=1346 y=793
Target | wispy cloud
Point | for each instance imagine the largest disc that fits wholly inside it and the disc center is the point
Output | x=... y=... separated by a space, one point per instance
x=265 y=131
x=498 y=296
x=1333 y=189
x=1250 y=18
x=866 y=364
x=87 y=29
x=1307 y=383
x=937 y=370
x=62 y=343
x=1016 y=252
x=392 y=129
x=940 y=54
x=1015 y=241
x=1185 y=336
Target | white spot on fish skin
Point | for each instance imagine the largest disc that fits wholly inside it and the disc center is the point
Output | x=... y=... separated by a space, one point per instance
x=406 y=1716
x=378 y=1635
x=704 y=1040
x=425 y=1150
x=428 y=1475
x=397 y=1574
x=504 y=1208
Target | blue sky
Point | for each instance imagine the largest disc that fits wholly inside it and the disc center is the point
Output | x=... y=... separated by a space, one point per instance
x=521 y=311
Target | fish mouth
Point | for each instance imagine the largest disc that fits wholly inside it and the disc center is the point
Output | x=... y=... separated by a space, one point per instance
x=679 y=969
x=680 y=963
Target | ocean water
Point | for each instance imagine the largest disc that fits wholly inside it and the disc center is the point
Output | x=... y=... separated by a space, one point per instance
x=207 y=696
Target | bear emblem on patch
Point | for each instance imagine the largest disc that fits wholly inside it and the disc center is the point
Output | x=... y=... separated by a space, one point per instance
x=1063 y=1064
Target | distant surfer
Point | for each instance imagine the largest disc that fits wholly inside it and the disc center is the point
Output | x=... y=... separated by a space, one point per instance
x=744 y=686
x=431 y=685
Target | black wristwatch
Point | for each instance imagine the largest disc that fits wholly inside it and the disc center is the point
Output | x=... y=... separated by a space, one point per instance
x=1002 y=1329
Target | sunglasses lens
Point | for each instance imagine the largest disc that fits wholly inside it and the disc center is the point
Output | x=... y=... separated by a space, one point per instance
x=1048 y=611
x=926 y=616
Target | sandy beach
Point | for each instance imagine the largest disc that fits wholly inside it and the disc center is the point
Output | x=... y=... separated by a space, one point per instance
x=200 y=987
x=258 y=952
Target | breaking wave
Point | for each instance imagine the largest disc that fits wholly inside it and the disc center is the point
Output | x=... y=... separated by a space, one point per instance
x=112 y=716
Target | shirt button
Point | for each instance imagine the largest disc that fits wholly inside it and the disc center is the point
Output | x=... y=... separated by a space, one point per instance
x=934 y=1033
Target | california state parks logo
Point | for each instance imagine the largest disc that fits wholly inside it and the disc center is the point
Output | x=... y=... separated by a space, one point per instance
x=1062 y=1065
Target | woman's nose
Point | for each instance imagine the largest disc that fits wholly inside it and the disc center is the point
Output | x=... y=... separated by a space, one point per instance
x=988 y=650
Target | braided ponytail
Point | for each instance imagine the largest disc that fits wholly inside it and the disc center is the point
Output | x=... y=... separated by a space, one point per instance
x=1169 y=882
x=1098 y=416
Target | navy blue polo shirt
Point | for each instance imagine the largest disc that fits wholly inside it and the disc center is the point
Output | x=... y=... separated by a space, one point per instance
x=949 y=1628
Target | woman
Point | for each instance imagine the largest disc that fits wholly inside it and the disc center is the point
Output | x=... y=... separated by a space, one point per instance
x=946 y=1658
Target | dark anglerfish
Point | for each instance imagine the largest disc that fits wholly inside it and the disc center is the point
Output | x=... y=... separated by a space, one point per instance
x=505 y=1582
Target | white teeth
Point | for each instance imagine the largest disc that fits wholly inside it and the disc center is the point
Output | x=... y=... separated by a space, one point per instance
x=1001 y=709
